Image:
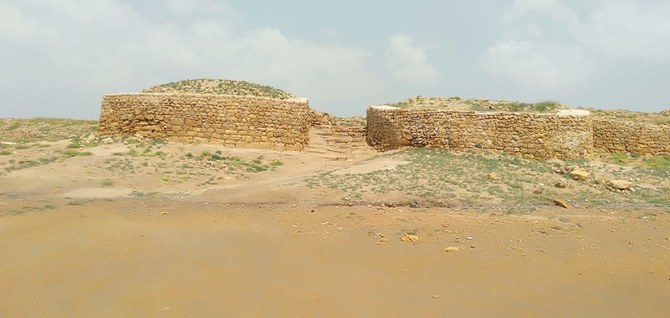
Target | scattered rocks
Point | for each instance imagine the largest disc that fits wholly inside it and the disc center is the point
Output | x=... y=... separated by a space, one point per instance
x=452 y=249
x=580 y=174
x=619 y=184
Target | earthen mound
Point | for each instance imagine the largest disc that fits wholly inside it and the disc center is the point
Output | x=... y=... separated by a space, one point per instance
x=220 y=87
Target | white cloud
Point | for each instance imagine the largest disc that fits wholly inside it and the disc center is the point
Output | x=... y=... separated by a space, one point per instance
x=622 y=30
x=555 y=9
x=15 y=25
x=545 y=66
x=326 y=71
x=95 y=47
x=408 y=62
x=546 y=44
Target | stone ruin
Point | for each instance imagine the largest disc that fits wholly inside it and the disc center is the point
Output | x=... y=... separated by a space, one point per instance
x=282 y=122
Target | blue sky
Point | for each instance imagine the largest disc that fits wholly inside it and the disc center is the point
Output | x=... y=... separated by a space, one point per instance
x=60 y=56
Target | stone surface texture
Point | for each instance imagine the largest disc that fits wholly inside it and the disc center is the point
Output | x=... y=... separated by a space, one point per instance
x=623 y=136
x=532 y=135
x=235 y=121
x=565 y=135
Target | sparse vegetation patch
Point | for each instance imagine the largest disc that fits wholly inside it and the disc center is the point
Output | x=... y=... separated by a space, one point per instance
x=475 y=180
x=220 y=87
x=478 y=105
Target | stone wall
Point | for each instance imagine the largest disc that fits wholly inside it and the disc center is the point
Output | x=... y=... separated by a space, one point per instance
x=235 y=121
x=619 y=136
x=531 y=135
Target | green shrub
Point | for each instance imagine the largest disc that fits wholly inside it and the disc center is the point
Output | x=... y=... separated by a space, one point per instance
x=75 y=153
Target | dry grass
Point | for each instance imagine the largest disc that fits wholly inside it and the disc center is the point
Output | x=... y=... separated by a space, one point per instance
x=499 y=181
x=220 y=87
x=478 y=105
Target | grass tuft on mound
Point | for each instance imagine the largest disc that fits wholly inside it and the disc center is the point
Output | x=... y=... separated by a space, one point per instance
x=220 y=87
x=478 y=105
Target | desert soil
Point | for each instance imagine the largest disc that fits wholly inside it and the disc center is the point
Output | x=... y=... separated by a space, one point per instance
x=112 y=234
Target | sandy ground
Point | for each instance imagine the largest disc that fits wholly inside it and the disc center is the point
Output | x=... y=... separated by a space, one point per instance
x=264 y=246
x=124 y=257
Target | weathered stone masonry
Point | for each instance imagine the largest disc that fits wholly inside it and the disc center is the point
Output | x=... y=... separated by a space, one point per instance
x=283 y=124
x=531 y=135
x=566 y=135
x=620 y=136
x=235 y=121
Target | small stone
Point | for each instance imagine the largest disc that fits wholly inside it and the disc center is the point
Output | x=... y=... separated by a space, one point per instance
x=410 y=238
x=561 y=203
x=435 y=296
x=452 y=249
x=619 y=184
x=580 y=174
x=414 y=205
x=383 y=240
x=164 y=213
x=493 y=176
x=561 y=184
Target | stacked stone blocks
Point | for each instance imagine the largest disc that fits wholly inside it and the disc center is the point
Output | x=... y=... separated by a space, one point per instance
x=621 y=136
x=565 y=135
x=235 y=121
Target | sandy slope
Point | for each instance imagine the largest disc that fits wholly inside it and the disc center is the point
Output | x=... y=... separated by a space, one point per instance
x=120 y=236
